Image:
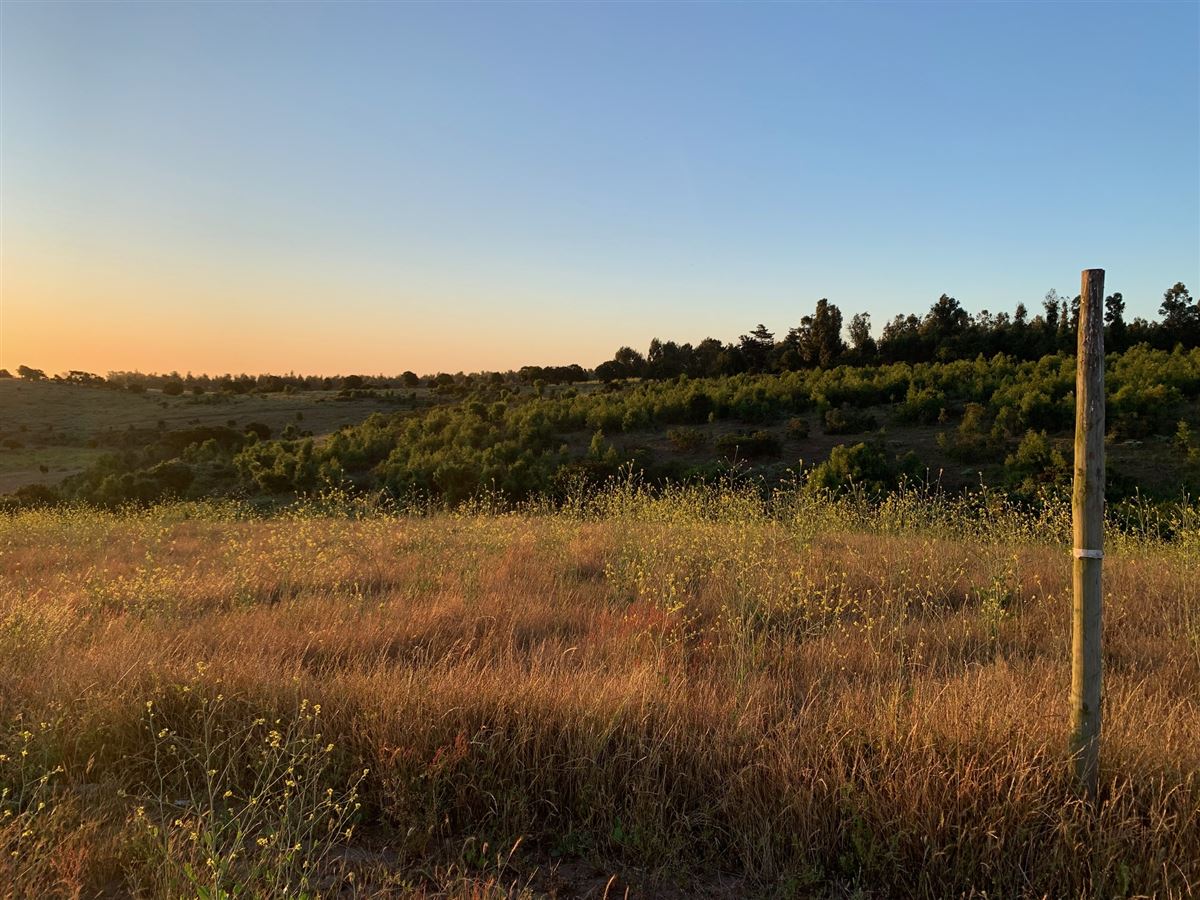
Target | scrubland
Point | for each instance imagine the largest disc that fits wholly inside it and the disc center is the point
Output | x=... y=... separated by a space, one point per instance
x=693 y=693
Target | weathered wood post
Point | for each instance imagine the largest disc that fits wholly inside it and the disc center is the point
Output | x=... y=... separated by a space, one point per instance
x=1087 y=515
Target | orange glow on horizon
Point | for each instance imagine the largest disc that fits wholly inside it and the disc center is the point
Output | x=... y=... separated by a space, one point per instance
x=64 y=311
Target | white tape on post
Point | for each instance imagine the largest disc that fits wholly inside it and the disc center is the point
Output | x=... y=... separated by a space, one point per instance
x=1088 y=554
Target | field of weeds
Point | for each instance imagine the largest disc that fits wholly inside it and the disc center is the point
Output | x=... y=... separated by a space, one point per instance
x=697 y=694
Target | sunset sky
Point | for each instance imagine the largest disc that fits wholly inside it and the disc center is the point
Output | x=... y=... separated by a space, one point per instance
x=374 y=188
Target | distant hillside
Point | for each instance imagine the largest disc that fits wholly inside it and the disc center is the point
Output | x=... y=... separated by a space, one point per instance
x=52 y=429
x=998 y=420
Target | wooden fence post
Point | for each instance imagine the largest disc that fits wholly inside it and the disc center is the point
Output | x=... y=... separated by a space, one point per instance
x=1087 y=517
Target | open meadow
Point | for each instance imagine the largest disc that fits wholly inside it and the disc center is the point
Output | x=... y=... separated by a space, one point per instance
x=51 y=430
x=599 y=450
x=693 y=692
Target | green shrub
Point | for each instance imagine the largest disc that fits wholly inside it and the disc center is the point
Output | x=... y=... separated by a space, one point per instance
x=1036 y=461
x=923 y=405
x=845 y=421
x=867 y=466
x=749 y=445
x=973 y=440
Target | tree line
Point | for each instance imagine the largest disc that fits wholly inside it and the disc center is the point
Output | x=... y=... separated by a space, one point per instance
x=821 y=340
x=945 y=333
x=175 y=384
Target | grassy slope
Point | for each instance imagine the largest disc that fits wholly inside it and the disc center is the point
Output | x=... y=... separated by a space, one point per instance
x=685 y=693
x=55 y=422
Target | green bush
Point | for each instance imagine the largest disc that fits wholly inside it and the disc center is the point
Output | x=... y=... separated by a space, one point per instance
x=843 y=420
x=922 y=405
x=974 y=439
x=1036 y=462
x=867 y=466
x=749 y=445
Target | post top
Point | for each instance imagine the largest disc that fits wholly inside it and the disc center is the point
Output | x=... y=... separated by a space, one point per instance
x=1093 y=271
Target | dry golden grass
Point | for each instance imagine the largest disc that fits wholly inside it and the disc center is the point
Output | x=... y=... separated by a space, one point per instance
x=697 y=694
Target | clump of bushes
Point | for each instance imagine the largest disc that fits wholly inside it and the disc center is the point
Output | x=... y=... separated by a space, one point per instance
x=749 y=445
x=843 y=420
x=974 y=440
x=1036 y=463
x=922 y=405
x=867 y=466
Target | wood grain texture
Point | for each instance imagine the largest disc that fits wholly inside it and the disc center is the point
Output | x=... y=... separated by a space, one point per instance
x=1087 y=508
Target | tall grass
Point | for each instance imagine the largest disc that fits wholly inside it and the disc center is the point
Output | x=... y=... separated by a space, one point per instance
x=705 y=688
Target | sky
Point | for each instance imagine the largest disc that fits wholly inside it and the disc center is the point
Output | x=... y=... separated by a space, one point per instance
x=354 y=187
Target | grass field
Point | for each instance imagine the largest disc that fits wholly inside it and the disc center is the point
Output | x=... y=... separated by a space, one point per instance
x=696 y=695
x=57 y=425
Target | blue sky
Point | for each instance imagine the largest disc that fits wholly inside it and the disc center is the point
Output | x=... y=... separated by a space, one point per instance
x=375 y=187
